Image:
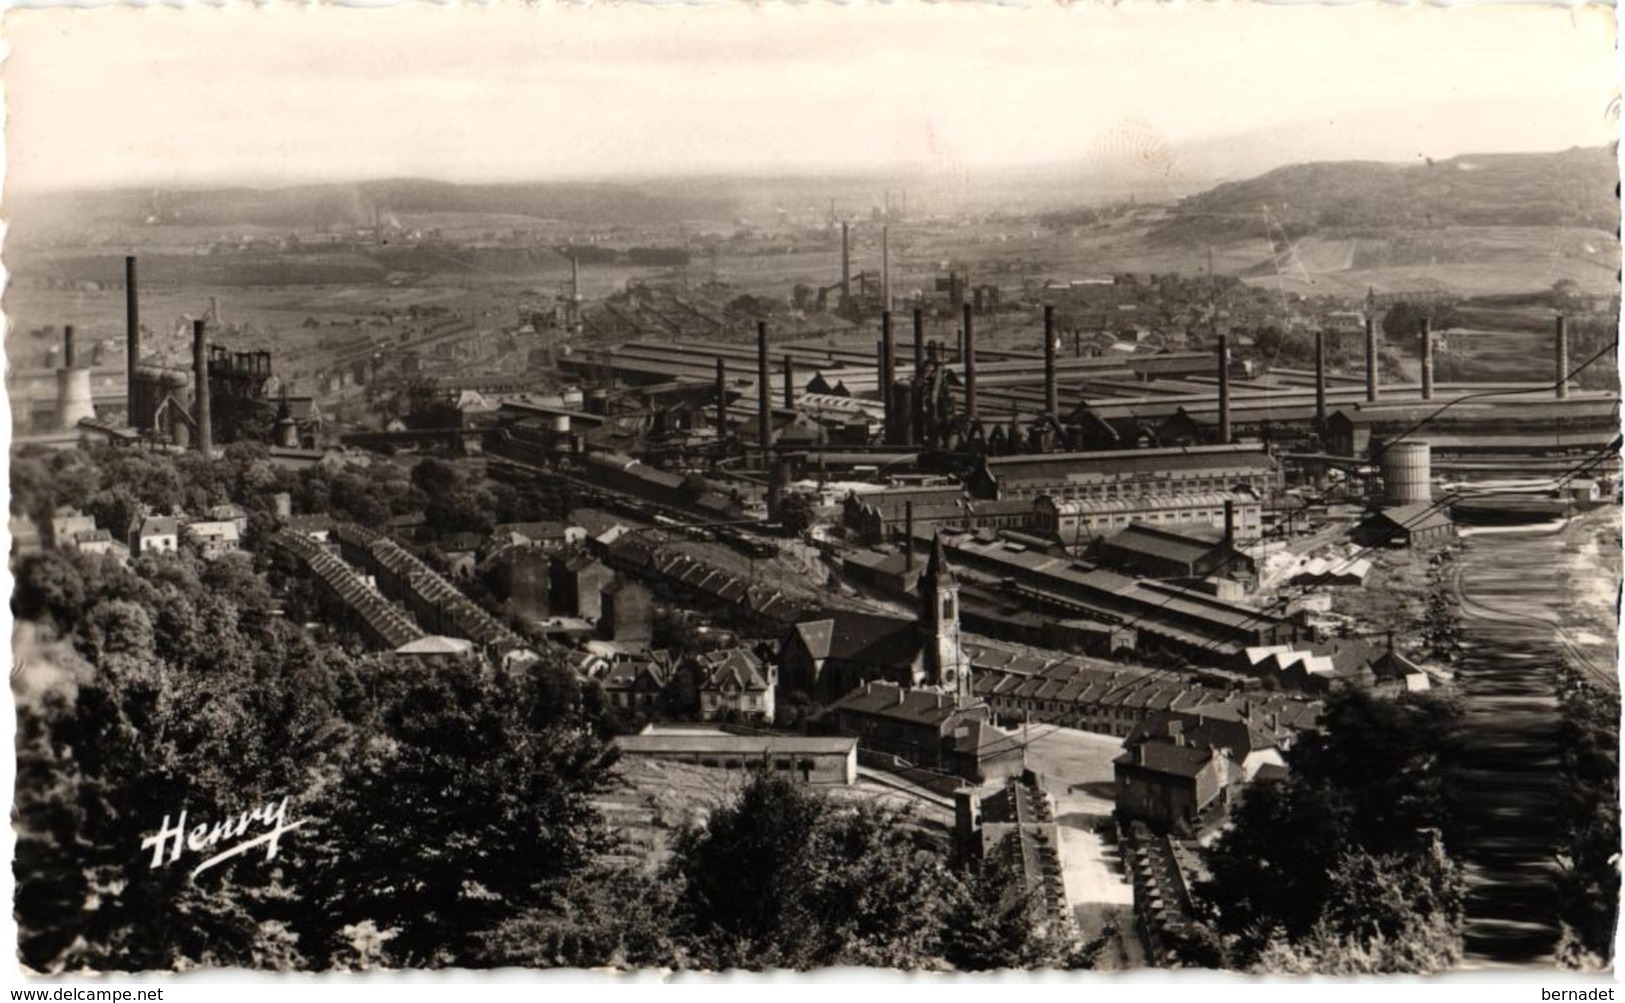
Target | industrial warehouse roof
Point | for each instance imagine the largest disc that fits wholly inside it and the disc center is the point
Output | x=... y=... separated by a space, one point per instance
x=436 y=645
x=1152 y=606
x=897 y=497
x=736 y=745
x=1052 y=467
x=1413 y=518
x=1142 y=503
x=1185 y=543
x=1512 y=405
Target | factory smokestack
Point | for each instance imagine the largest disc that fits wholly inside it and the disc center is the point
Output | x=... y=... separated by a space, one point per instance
x=1427 y=359
x=886 y=362
x=68 y=353
x=200 y=393
x=132 y=334
x=1229 y=522
x=970 y=366
x=764 y=411
x=1224 y=388
x=789 y=383
x=1320 y=379
x=1052 y=406
x=846 y=268
x=1562 y=357
x=1372 y=388
x=885 y=268
x=919 y=340
x=764 y=405
x=908 y=536
x=722 y=400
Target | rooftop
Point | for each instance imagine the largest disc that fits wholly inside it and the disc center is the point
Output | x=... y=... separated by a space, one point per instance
x=1166 y=757
x=735 y=745
x=891 y=701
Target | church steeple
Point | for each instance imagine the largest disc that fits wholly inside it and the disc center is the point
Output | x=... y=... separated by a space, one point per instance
x=945 y=662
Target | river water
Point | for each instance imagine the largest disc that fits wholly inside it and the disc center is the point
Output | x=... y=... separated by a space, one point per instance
x=1514 y=590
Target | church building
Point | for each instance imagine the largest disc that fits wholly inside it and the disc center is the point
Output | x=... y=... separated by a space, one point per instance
x=829 y=657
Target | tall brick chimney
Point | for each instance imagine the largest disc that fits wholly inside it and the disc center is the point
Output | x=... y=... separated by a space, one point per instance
x=1562 y=364
x=1427 y=359
x=970 y=365
x=200 y=395
x=1052 y=396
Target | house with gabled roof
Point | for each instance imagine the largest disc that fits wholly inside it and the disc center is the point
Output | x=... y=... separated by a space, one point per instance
x=734 y=681
x=914 y=725
x=638 y=682
x=155 y=534
x=1170 y=783
x=214 y=537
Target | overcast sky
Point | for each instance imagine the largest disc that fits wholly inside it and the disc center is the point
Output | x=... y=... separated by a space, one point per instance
x=163 y=96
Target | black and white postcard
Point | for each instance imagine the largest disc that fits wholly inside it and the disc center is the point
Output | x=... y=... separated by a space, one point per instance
x=928 y=487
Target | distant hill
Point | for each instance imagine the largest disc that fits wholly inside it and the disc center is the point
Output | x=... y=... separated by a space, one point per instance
x=1353 y=199
x=353 y=204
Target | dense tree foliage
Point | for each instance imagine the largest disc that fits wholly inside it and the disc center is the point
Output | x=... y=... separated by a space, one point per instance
x=462 y=794
x=786 y=878
x=161 y=698
x=1589 y=881
x=990 y=924
x=434 y=803
x=1344 y=865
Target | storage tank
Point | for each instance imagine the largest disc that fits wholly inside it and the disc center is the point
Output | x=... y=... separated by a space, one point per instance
x=1407 y=472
